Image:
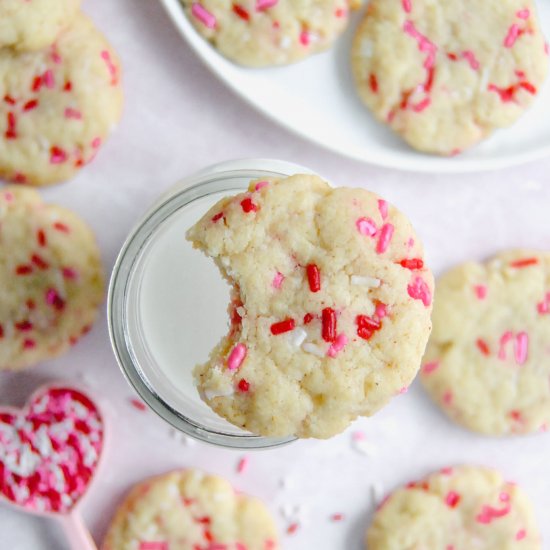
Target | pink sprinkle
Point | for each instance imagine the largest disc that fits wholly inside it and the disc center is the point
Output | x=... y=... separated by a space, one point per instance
x=504 y=497
x=470 y=56
x=242 y=465
x=48 y=79
x=488 y=514
x=407 y=5
x=8 y=197
x=403 y=390
x=521 y=534
x=203 y=15
x=261 y=185
x=419 y=290
x=452 y=499
x=338 y=345
x=428 y=368
x=448 y=397
x=481 y=291
x=422 y=105
x=447 y=471
x=512 y=36
x=57 y=155
x=278 y=280
x=383 y=208
x=521 y=348
x=544 y=306
x=366 y=226
x=337 y=517
x=523 y=14
x=137 y=404
x=305 y=38
x=112 y=68
x=153 y=545
x=358 y=436
x=381 y=310
x=236 y=357
x=424 y=44
x=73 y=113
x=504 y=339
x=69 y=273
x=262 y=5
x=29 y=344
x=386 y=234
x=96 y=142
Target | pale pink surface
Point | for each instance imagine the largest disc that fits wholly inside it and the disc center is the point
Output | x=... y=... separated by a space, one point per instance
x=168 y=93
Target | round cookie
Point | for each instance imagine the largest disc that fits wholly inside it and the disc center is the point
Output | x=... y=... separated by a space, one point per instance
x=188 y=510
x=488 y=363
x=262 y=33
x=57 y=105
x=330 y=309
x=444 y=75
x=51 y=279
x=31 y=25
x=456 y=509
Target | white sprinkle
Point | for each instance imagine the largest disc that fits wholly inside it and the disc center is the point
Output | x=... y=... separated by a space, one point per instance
x=371 y=282
x=285 y=42
x=212 y=393
x=313 y=349
x=297 y=336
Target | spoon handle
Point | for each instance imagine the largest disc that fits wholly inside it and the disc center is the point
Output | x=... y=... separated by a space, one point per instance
x=77 y=534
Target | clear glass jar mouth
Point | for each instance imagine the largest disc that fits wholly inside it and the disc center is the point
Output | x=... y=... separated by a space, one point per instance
x=208 y=182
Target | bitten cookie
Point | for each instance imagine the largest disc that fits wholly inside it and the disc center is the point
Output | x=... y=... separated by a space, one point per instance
x=57 y=105
x=51 y=279
x=444 y=75
x=260 y=33
x=488 y=362
x=189 y=510
x=31 y=25
x=330 y=308
x=456 y=509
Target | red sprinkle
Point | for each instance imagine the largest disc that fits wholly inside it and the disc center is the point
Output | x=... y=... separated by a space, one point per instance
x=68 y=86
x=283 y=326
x=524 y=263
x=483 y=347
x=39 y=262
x=243 y=385
x=413 y=263
x=329 y=324
x=30 y=105
x=366 y=326
x=292 y=528
x=241 y=12
x=9 y=100
x=61 y=227
x=217 y=217
x=41 y=237
x=313 y=277
x=137 y=404
x=57 y=155
x=337 y=517
x=36 y=84
x=452 y=499
x=373 y=83
x=308 y=317
x=248 y=206
x=23 y=326
x=11 y=131
x=28 y=343
x=23 y=269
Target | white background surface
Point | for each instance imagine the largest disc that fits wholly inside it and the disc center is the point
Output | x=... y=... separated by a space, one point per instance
x=178 y=119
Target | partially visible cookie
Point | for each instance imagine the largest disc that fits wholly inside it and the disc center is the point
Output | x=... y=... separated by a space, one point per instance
x=444 y=75
x=57 y=105
x=261 y=33
x=330 y=308
x=34 y=24
x=488 y=360
x=51 y=279
x=190 y=510
x=456 y=509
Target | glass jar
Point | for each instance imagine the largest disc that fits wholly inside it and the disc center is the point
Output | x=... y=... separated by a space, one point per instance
x=167 y=304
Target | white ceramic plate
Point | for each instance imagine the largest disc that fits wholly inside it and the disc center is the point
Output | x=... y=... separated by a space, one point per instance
x=316 y=99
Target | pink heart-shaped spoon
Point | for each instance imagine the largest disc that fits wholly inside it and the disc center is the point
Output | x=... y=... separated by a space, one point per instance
x=49 y=453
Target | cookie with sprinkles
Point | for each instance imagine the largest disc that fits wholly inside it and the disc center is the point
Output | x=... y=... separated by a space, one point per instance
x=57 y=105
x=262 y=33
x=444 y=75
x=35 y=24
x=330 y=310
x=456 y=509
x=487 y=363
x=190 y=510
x=51 y=279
